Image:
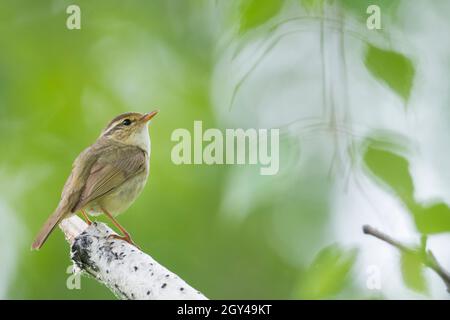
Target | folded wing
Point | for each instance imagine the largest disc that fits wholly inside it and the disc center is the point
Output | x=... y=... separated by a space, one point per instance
x=113 y=167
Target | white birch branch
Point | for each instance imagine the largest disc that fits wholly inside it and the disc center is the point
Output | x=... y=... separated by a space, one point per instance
x=125 y=270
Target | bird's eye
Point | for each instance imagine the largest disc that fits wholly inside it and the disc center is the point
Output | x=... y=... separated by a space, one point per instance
x=126 y=122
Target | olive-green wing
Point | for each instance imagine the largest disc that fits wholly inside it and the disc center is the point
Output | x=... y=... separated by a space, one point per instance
x=71 y=193
x=113 y=167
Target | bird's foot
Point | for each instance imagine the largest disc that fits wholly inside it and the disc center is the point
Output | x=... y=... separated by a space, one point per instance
x=86 y=218
x=126 y=238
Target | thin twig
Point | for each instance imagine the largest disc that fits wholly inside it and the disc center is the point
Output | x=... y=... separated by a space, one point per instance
x=426 y=256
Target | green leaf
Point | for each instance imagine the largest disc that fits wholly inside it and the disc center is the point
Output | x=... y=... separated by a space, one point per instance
x=392 y=68
x=391 y=169
x=431 y=219
x=257 y=12
x=328 y=273
x=412 y=271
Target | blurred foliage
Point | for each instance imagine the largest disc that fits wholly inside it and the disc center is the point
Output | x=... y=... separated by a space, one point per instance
x=413 y=272
x=393 y=171
x=431 y=219
x=392 y=68
x=257 y=12
x=312 y=4
x=328 y=273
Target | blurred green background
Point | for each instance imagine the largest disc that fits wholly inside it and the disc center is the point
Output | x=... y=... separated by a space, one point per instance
x=308 y=67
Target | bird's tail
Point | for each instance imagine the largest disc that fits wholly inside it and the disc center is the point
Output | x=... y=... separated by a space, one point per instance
x=48 y=227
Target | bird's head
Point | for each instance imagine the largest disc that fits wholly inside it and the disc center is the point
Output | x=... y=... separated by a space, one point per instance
x=130 y=128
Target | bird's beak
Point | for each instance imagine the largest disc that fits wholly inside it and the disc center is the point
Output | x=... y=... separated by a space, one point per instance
x=148 y=116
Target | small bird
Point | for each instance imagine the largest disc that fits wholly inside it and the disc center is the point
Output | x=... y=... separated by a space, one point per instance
x=108 y=176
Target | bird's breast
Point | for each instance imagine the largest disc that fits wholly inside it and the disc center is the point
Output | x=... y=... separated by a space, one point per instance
x=121 y=198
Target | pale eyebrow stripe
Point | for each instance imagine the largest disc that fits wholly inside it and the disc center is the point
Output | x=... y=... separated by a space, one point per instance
x=112 y=126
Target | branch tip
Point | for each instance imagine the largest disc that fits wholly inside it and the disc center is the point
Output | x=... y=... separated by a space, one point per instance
x=427 y=259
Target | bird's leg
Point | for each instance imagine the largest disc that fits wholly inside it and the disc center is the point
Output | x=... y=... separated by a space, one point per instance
x=86 y=218
x=126 y=236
